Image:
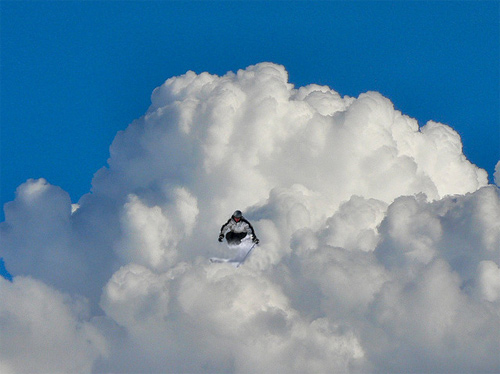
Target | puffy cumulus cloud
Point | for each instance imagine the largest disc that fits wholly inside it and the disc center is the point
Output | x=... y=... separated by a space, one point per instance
x=253 y=319
x=135 y=296
x=489 y=280
x=151 y=234
x=37 y=237
x=379 y=241
x=44 y=331
x=497 y=173
x=420 y=298
x=202 y=318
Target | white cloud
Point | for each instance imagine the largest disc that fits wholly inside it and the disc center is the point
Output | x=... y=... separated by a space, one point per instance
x=42 y=330
x=135 y=296
x=37 y=236
x=489 y=280
x=379 y=240
x=151 y=234
x=497 y=173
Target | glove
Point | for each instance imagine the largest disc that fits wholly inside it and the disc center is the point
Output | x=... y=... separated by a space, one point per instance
x=255 y=240
x=221 y=238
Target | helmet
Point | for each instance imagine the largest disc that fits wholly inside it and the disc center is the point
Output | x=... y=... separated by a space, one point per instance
x=237 y=214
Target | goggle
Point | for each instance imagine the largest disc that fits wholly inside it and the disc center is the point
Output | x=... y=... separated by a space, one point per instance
x=237 y=219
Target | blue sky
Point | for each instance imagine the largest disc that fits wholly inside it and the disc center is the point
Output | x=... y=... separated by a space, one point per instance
x=75 y=73
x=354 y=263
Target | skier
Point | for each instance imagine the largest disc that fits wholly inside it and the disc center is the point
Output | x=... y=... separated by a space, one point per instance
x=236 y=229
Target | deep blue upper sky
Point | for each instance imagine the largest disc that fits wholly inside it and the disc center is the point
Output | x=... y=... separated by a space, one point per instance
x=74 y=73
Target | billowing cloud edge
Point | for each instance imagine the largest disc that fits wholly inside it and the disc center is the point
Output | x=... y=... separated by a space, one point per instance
x=379 y=241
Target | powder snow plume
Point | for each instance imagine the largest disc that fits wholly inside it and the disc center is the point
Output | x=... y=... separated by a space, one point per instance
x=379 y=242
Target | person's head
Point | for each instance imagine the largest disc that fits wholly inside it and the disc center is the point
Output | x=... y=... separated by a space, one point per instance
x=237 y=215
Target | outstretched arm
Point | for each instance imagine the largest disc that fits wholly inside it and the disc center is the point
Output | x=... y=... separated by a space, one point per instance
x=223 y=230
x=225 y=227
x=251 y=231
